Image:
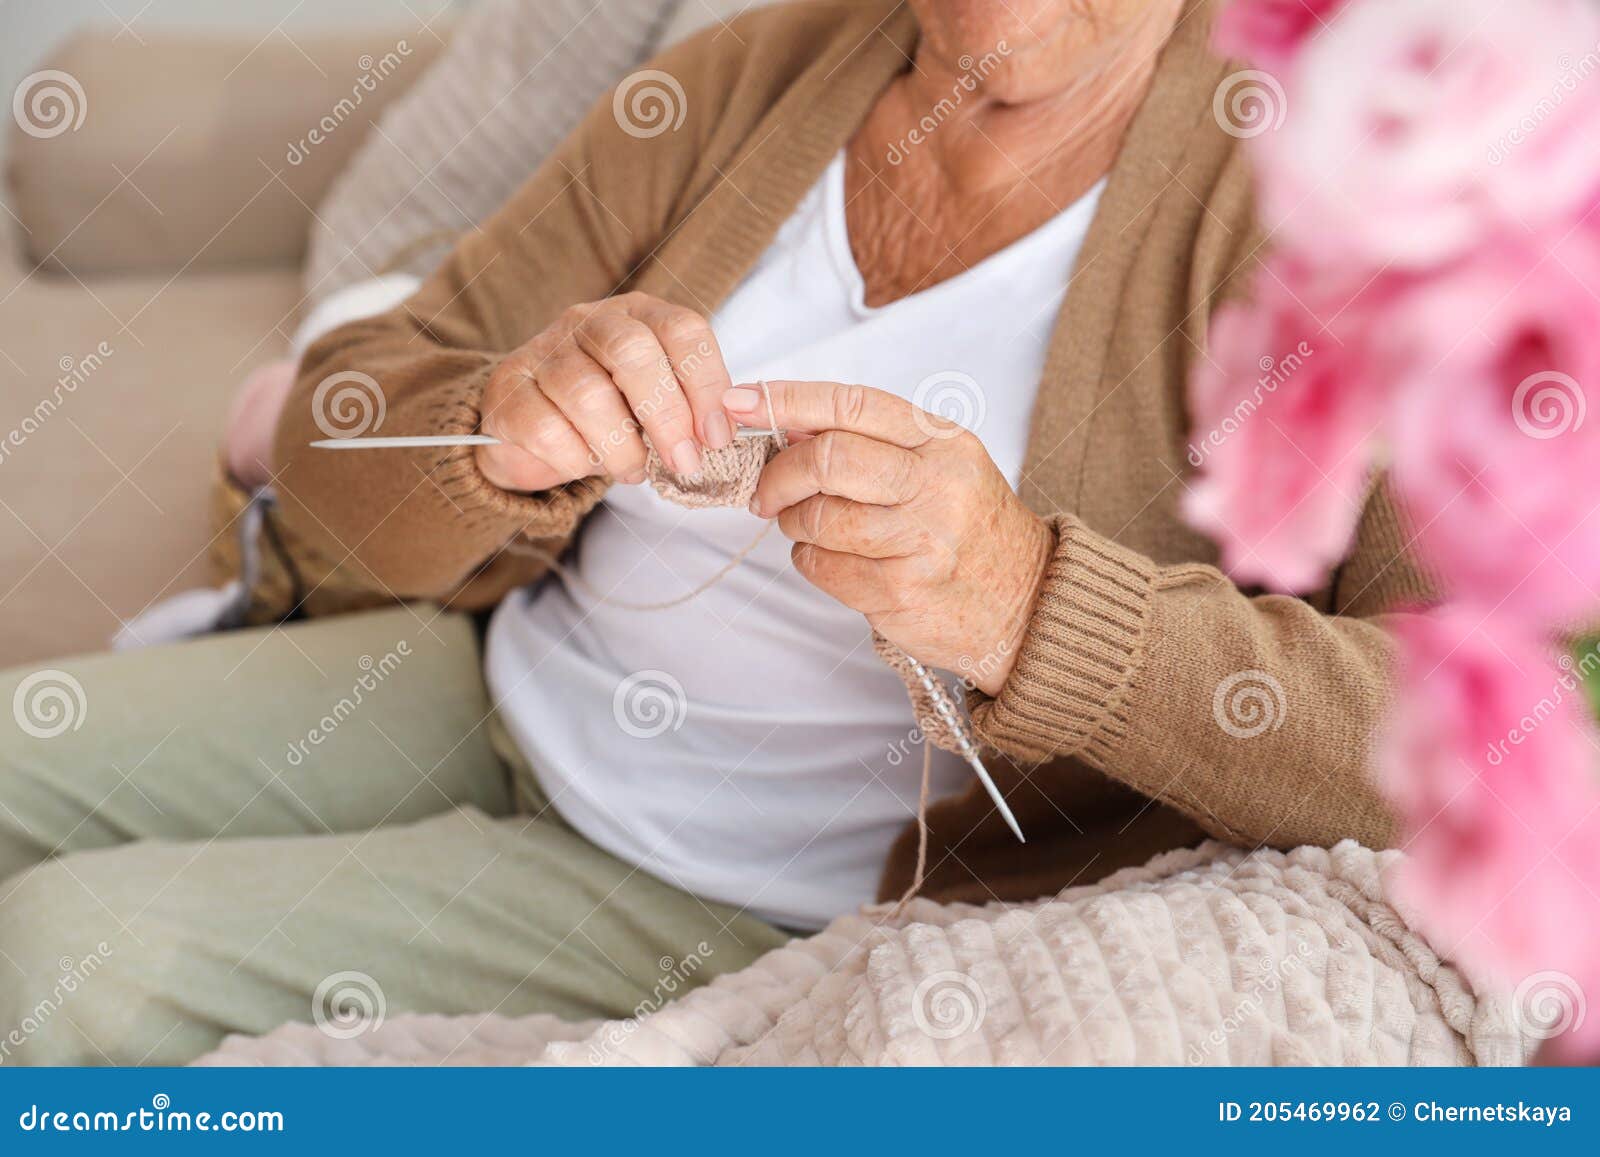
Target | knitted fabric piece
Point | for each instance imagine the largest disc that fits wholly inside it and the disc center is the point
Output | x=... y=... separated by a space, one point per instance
x=1108 y=712
x=938 y=715
x=728 y=477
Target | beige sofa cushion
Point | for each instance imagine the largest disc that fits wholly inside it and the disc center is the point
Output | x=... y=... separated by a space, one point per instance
x=196 y=151
x=516 y=79
x=103 y=481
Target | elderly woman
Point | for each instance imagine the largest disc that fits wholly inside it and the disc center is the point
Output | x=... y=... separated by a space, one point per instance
x=1016 y=213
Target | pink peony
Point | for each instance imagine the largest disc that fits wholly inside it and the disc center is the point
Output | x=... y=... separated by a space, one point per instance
x=1494 y=442
x=1269 y=33
x=1285 y=413
x=1433 y=161
x=1490 y=767
x=1415 y=129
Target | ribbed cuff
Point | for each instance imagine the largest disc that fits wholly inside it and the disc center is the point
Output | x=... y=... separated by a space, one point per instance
x=551 y=513
x=1067 y=694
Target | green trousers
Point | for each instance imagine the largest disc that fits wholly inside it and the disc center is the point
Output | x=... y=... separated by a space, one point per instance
x=316 y=823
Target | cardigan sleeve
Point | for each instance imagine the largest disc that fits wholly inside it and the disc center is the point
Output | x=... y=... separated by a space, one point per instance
x=1254 y=715
x=426 y=523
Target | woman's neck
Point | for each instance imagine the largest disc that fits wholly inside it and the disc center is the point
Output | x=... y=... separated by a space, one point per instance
x=943 y=173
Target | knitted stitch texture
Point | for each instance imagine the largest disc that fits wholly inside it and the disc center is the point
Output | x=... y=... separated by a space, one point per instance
x=1112 y=731
x=729 y=477
x=1209 y=956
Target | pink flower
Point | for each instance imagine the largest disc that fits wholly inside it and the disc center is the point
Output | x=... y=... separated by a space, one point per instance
x=1268 y=33
x=1285 y=412
x=1435 y=301
x=1494 y=445
x=1416 y=128
x=1489 y=764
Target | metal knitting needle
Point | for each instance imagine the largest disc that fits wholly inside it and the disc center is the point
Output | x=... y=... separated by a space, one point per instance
x=994 y=792
x=453 y=440
x=941 y=704
x=425 y=440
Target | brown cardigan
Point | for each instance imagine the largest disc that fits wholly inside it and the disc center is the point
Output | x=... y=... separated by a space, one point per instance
x=1107 y=740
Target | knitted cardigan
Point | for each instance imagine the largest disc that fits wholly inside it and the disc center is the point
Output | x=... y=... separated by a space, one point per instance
x=1112 y=739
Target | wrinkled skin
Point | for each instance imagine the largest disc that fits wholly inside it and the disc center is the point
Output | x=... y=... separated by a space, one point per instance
x=1029 y=99
x=576 y=400
x=893 y=512
x=902 y=516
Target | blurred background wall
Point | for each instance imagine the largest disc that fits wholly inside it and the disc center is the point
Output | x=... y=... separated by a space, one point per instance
x=30 y=28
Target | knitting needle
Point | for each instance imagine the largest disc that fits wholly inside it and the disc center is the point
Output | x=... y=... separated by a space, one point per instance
x=941 y=704
x=423 y=440
x=994 y=793
x=453 y=440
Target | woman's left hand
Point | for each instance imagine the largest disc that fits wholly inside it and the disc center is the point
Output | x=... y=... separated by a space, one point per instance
x=902 y=515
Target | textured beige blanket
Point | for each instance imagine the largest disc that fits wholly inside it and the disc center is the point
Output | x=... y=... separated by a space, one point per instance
x=1209 y=956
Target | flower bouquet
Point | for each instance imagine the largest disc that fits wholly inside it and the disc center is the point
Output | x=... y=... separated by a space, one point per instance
x=1428 y=320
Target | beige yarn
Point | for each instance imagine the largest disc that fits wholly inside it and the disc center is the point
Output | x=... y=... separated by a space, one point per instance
x=728 y=478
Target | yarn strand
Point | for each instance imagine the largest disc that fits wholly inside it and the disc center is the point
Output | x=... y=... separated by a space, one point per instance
x=728 y=478
x=920 y=875
x=577 y=584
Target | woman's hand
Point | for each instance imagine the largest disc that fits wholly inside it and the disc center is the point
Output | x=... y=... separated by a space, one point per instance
x=902 y=516
x=571 y=402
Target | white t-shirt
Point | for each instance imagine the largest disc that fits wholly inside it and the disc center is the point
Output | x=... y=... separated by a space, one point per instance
x=748 y=746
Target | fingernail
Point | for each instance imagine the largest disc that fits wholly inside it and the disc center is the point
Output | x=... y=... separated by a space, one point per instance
x=742 y=400
x=755 y=506
x=718 y=431
x=633 y=478
x=685 y=458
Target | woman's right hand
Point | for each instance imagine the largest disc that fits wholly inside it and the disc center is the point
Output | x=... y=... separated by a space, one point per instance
x=572 y=402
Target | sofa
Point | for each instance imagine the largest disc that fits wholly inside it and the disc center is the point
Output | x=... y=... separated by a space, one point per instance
x=150 y=258
x=211 y=189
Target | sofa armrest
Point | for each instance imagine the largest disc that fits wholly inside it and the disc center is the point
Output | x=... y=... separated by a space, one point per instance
x=191 y=151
